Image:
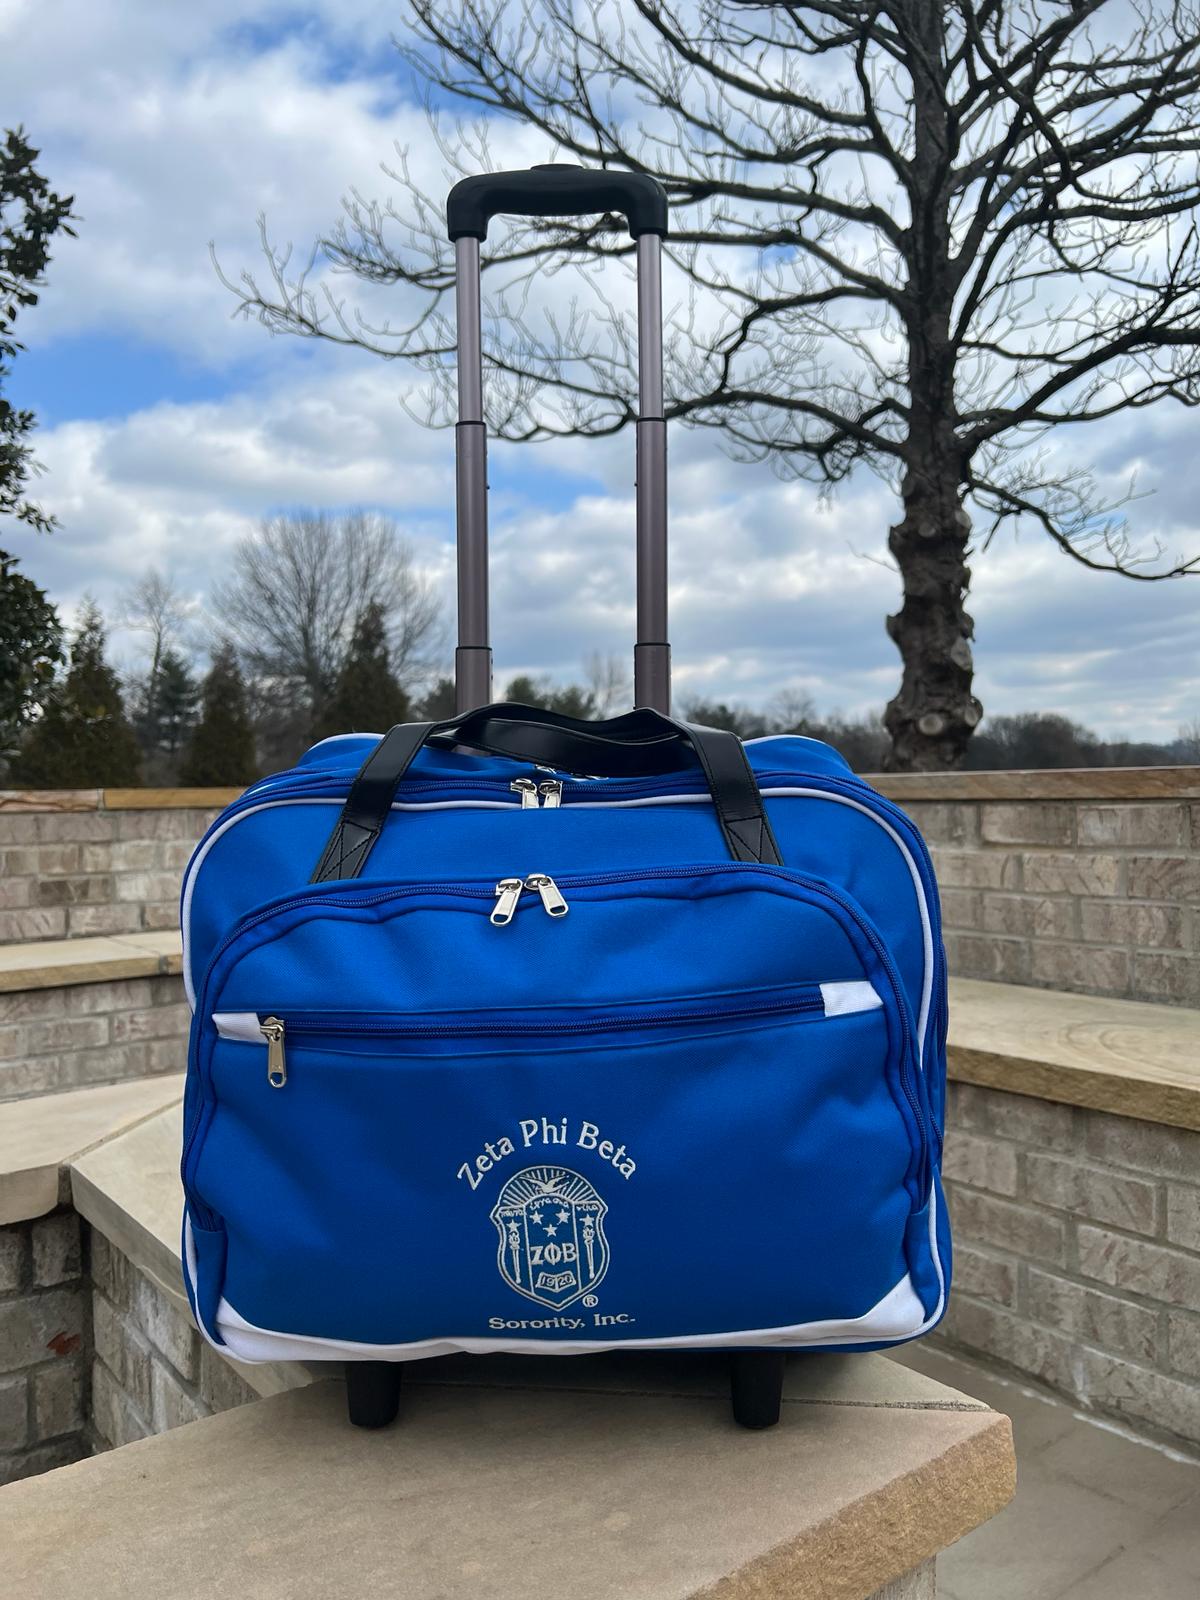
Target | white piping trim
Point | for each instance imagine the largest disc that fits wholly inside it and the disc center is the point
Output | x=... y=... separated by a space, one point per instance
x=185 y=909
x=649 y=800
x=899 y=1315
x=857 y=805
x=335 y=738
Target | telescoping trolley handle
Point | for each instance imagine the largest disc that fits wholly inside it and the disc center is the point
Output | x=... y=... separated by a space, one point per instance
x=560 y=191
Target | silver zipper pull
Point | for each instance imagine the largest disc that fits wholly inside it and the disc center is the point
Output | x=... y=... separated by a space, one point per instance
x=272 y=1032
x=528 y=790
x=508 y=892
x=550 y=790
x=548 y=889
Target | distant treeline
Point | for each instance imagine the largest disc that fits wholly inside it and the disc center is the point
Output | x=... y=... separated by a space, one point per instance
x=1024 y=740
x=325 y=625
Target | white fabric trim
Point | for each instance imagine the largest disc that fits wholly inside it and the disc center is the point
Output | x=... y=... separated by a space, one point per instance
x=243 y=1025
x=842 y=999
x=897 y=1316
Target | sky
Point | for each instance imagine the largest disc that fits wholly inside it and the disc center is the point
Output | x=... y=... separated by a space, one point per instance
x=169 y=428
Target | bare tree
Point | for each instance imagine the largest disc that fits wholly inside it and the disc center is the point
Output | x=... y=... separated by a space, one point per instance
x=931 y=233
x=299 y=589
x=155 y=607
x=609 y=683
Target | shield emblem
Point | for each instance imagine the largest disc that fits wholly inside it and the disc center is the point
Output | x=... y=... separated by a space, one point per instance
x=551 y=1226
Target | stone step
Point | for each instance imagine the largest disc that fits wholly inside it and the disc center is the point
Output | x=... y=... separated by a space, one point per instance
x=622 y=1477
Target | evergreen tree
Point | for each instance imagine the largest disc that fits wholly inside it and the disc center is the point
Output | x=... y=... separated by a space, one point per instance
x=220 y=751
x=82 y=740
x=164 y=712
x=30 y=651
x=439 y=702
x=178 y=695
x=571 y=699
x=31 y=213
x=366 y=697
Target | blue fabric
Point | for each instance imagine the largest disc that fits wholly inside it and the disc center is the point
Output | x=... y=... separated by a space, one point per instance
x=632 y=1122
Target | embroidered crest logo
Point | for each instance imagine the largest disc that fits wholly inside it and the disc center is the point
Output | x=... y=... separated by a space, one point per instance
x=551 y=1226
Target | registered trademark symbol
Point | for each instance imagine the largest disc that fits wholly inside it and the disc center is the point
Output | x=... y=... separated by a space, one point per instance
x=590 y=1300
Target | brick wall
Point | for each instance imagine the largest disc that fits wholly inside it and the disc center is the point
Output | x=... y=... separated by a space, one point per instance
x=45 y=1325
x=88 y=1033
x=1077 y=1254
x=1084 y=880
x=71 y=867
x=151 y=1371
x=93 y=1352
x=1094 y=894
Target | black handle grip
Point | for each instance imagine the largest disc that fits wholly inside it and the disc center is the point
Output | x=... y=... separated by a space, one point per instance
x=643 y=741
x=555 y=191
x=638 y=744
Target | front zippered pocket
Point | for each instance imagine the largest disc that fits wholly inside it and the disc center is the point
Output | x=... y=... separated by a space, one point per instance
x=689 y=1171
x=829 y=999
x=738 y=904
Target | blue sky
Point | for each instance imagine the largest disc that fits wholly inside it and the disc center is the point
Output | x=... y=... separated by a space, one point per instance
x=169 y=428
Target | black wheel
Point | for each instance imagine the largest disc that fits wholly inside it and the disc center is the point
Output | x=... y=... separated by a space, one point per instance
x=756 y=1387
x=372 y=1392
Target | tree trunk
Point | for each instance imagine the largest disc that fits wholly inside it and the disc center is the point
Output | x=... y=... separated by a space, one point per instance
x=934 y=714
x=932 y=717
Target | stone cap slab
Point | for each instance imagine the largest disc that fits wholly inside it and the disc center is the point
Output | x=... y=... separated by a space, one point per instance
x=39 y=1137
x=1057 y=783
x=56 y=963
x=1051 y=783
x=129 y=1188
x=1122 y=1056
x=609 y=1481
x=117 y=799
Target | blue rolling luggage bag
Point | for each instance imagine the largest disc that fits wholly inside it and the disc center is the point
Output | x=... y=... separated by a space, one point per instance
x=521 y=1033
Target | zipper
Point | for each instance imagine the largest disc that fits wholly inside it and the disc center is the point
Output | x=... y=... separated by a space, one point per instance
x=271 y=1029
x=535 y=795
x=509 y=891
x=275 y=1030
x=664 y=789
x=319 y=898
x=552 y=899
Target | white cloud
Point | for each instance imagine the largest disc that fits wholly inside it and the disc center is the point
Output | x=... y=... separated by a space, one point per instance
x=174 y=127
x=770 y=589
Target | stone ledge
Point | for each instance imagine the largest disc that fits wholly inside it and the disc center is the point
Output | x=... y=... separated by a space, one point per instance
x=56 y=963
x=1123 y=1056
x=23 y=800
x=38 y=1138
x=1066 y=783
x=128 y=1189
x=538 y=1490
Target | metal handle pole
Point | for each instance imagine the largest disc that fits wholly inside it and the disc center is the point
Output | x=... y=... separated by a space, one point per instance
x=652 y=653
x=473 y=657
